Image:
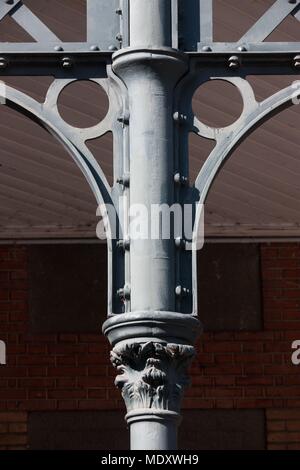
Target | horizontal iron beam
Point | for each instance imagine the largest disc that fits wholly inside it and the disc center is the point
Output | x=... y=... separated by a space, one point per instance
x=68 y=61
x=247 y=47
x=53 y=47
x=266 y=48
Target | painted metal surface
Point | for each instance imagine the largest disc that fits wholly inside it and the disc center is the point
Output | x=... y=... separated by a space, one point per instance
x=150 y=70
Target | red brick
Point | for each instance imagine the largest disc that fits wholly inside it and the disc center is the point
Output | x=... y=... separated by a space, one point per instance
x=223 y=392
x=36 y=360
x=222 y=346
x=94 y=382
x=225 y=369
x=4 y=294
x=37 y=348
x=284 y=437
x=37 y=371
x=63 y=382
x=38 y=405
x=66 y=360
x=276 y=426
x=224 y=404
x=254 y=380
x=18 y=274
x=91 y=359
x=18 y=428
x=39 y=394
x=197 y=403
x=293 y=426
x=8 y=371
x=66 y=371
x=100 y=393
x=13 y=417
x=99 y=371
x=66 y=394
x=12 y=439
x=68 y=338
x=32 y=383
x=92 y=405
x=67 y=404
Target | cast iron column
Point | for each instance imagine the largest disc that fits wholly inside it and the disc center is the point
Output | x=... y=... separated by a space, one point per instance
x=152 y=344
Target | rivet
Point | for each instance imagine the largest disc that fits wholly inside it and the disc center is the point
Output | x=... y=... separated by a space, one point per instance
x=94 y=47
x=124 y=244
x=124 y=181
x=206 y=49
x=179 y=179
x=112 y=47
x=234 y=62
x=242 y=48
x=180 y=243
x=67 y=62
x=119 y=37
x=119 y=11
x=296 y=61
x=179 y=117
x=181 y=291
x=124 y=293
x=124 y=119
x=3 y=63
x=58 y=48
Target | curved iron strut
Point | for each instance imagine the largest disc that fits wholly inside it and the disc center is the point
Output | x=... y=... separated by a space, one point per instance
x=150 y=56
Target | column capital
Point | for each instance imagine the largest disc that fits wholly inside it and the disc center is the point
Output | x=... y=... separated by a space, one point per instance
x=152 y=375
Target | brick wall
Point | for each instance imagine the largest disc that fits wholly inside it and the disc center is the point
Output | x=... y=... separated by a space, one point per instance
x=233 y=370
x=13 y=430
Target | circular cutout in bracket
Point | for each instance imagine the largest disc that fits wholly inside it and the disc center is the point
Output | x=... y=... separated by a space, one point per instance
x=83 y=104
x=217 y=103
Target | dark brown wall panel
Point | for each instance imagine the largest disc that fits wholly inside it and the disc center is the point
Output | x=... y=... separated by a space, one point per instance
x=106 y=430
x=229 y=286
x=77 y=430
x=68 y=286
x=223 y=430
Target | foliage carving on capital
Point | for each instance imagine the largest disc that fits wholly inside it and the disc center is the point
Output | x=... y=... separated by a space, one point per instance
x=152 y=375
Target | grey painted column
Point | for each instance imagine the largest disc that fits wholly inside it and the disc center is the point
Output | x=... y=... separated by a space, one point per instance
x=152 y=344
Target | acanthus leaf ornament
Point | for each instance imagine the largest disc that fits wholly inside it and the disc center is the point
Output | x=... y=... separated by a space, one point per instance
x=152 y=375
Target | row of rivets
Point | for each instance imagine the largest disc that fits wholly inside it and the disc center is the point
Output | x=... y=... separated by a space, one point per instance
x=125 y=292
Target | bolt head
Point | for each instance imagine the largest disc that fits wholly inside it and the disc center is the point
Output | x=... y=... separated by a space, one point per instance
x=296 y=61
x=180 y=243
x=67 y=62
x=206 y=49
x=3 y=63
x=234 y=62
x=178 y=291
x=124 y=293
